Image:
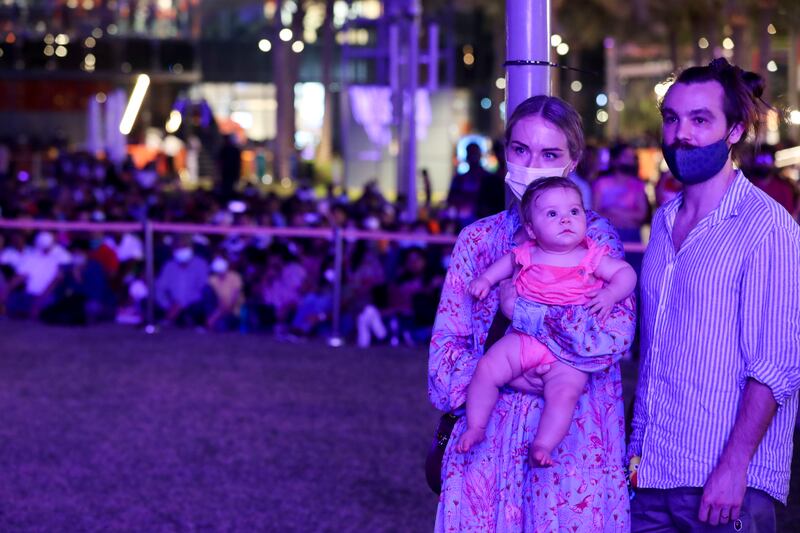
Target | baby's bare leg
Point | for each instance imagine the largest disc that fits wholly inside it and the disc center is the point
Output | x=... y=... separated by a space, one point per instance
x=495 y=369
x=563 y=385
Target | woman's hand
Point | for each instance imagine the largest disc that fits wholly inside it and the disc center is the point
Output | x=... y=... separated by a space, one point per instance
x=530 y=382
x=508 y=297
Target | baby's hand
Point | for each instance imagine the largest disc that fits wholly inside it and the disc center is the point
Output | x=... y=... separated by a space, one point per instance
x=600 y=303
x=480 y=287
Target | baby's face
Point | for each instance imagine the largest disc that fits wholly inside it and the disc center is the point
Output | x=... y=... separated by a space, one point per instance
x=557 y=220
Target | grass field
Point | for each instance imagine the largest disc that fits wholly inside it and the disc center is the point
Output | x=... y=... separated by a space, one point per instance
x=109 y=429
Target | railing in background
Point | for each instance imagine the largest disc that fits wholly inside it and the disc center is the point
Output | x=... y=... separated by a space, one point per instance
x=334 y=234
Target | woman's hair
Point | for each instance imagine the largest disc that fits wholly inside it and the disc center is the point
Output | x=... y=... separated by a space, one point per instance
x=555 y=111
x=539 y=186
x=742 y=101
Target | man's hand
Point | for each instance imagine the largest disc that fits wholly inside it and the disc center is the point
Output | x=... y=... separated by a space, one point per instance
x=723 y=495
x=600 y=303
x=508 y=297
x=530 y=382
x=479 y=287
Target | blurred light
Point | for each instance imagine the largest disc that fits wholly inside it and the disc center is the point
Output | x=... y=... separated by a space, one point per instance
x=177 y=68
x=101 y=98
x=135 y=102
x=555 y=40
x=662 y=88
x=264 y=45
x=772 y=66
x=601 y=99
x=619 y=105
x=486 y=103
x=61 y=51
x=62 y=39
x=469 y=59
x=49 y=50
x=771 y=29
x=562 y=49
x=467 y=49
x=49 y=39
x=286 y=183
x=72 y=4
x=702 y=42
x=602 y=116
x=90 y=60
x=89 y=42
x=174 y=121
x=794 y=117
x=243 y=118
x=500 y=83
x=727 y=43
x=112 y=29
x=266 y=179
x=285 y=35
x=576 y=86
x=97 y=33
x=237 y=206
x=502 y=108
x=88 y=4
x=773 y=136
x=11 y=38
x=298 y=46
x=1 y=52
x=787 y=157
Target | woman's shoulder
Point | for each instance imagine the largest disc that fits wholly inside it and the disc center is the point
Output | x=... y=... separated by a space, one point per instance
x=603 y=233
x=485 y=226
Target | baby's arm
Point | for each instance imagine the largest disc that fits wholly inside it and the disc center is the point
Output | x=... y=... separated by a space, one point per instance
x=499 y=270
x=620 y=281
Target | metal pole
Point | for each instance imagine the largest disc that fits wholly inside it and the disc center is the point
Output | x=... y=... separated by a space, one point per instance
x=149 y=258
x=527 y=38
x=794 y=79
x=409 y=152
x=336 y=339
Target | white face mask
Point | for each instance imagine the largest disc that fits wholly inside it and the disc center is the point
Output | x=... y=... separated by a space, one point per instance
x=519 y=177
x=183 y=255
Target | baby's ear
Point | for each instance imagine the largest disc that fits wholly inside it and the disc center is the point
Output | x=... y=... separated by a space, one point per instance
x=529 y=231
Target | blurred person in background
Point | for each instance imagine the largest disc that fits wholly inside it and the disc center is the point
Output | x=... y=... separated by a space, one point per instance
x=282 y=283
x=464 y=188
x=667 y=188
x=181 y=287
x=37 y=275
x=492 y=191
x=228 y=296
x=82 y=295
x=619 y=195
x=759 y=167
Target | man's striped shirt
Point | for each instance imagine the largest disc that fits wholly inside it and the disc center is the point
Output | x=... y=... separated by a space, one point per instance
x=723 y=309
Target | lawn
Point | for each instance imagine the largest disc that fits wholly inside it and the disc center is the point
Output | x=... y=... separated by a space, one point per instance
x=109 y=429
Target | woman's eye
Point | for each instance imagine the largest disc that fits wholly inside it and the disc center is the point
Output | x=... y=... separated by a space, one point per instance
x=550 y=155
x=519 y=150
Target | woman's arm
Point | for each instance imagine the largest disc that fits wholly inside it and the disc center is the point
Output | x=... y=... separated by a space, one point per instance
x=454 y=351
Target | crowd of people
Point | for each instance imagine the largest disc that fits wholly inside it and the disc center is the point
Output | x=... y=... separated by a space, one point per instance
x=264 y=283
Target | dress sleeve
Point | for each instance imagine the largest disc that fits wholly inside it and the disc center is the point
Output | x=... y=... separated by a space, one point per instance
x=453 y=350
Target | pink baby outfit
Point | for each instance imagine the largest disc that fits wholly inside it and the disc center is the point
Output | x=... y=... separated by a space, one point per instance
x=553 y=285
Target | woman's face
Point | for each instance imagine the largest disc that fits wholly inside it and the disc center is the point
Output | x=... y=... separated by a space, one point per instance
x=538 y=143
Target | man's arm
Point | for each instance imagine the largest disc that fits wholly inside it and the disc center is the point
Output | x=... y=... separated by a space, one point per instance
x=724 y=490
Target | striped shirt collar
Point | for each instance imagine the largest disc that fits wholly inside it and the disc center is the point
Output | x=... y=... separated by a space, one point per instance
x=728 y=207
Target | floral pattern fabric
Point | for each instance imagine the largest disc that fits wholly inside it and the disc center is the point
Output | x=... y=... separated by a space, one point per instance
x=492 y=487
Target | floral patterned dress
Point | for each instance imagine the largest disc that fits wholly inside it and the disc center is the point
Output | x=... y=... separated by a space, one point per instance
x=492 y=487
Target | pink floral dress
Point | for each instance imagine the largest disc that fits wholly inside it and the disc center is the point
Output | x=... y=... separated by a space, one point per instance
x=492 y=488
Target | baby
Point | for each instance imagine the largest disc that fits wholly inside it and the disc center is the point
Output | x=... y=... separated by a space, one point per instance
x=557 y=266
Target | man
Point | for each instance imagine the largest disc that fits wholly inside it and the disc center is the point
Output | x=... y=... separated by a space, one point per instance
x=181 y=289
x=464 y=188
x=717 y=394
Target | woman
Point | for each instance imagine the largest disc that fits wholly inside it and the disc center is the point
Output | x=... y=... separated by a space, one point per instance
x=491 y=488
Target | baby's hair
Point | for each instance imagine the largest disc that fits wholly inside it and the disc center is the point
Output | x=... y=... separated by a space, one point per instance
x=536 y=188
